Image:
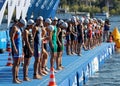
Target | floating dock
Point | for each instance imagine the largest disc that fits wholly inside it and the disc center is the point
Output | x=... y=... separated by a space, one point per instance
x=76 y=72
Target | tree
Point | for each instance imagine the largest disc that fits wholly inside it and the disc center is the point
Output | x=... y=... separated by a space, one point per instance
x=104 y=9
x=112 y=12
x=74 y=8
x=88 y=5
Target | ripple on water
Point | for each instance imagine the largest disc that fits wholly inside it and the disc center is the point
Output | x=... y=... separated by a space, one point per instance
x=108 y=75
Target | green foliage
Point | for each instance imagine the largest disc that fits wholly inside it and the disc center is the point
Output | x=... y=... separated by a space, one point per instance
x=92 y=6
x=112 y=11
x=105 y=9
x=91 y=9
x=74 y=8
x=95 y=9
x=118 y=11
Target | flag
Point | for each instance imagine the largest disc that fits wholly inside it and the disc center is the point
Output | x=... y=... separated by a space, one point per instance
x=50 y=4
x=54 y=9
x=37 y=8
x=25 y=8
x=11 y=8
x=19 y=8
x=3 y=4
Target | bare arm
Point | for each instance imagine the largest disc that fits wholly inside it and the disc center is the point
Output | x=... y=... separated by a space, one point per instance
x=50 y=35
x=59 y=30
x=73 y=33
x=27 y=41
x=14 y=30
x=43 y=35
x=34 y=31
x=82 y=27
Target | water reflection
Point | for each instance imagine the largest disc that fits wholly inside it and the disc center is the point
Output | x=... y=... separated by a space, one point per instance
x=109 y=74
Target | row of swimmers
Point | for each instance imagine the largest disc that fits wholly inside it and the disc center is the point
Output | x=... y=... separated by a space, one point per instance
x=44 y=38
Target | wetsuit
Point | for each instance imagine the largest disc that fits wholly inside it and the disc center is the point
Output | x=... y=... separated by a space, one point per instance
x=80 y=33
x=26 y=48
x=72 y=35
x=37 y=43
x=85 y=34
x=54 y=39
x=18 y=44
x=60 y=37
x=76 y=32
x=68 y=37
x=90 y=31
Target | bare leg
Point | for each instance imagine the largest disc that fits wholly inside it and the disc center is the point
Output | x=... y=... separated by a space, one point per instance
x=15 y=69
x=68 y=48
x=52 y=59
x=58 y=61
x=79 y=49
x=61 y=60
x=72 y=47
x=36 y=64
x=76 y=45
x=44 y=62
x=25 y=69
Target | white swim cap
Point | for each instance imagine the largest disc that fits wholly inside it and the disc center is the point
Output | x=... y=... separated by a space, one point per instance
x=51 y=27
x=60 y=21
x=65 y=24
x=48 y=20
x=40 y=18
x=30 y=22
x=23 y=21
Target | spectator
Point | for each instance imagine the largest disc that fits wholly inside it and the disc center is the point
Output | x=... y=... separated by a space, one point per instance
x=106 y=30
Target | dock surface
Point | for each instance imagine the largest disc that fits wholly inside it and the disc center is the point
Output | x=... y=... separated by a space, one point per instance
x=76 y=72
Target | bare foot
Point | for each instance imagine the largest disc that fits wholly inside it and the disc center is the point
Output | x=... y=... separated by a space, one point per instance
x=44 y=72
x=59 y=68
x=37 y=77
x=19 y=80
x=26 y=79
x=41 y=73
x=16 y=82
x=62 y=67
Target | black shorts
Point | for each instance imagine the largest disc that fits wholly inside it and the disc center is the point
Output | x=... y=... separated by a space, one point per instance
x=72 y=37
x=27 y=53
x=12 y=51
x=45 y=46
x=80 y=40
x=60 y=48
x=68 y=38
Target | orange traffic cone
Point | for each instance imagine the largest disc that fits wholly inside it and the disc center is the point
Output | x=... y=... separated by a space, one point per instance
x=8 y=47
x=9 y=63
x=52 y=78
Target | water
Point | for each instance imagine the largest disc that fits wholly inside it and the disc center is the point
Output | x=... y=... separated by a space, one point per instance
x=109 y=74
x=115 y=22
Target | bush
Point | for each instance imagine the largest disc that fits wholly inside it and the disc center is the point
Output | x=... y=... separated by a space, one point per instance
x=95 y=9
x=105 y=9
x=74 y=8
x=113 y=12
x=118 y=11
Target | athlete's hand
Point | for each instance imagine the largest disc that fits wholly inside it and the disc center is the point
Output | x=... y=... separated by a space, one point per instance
x=31 y=52
x=60 y=44
x=52 y=47
x=16 y=51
